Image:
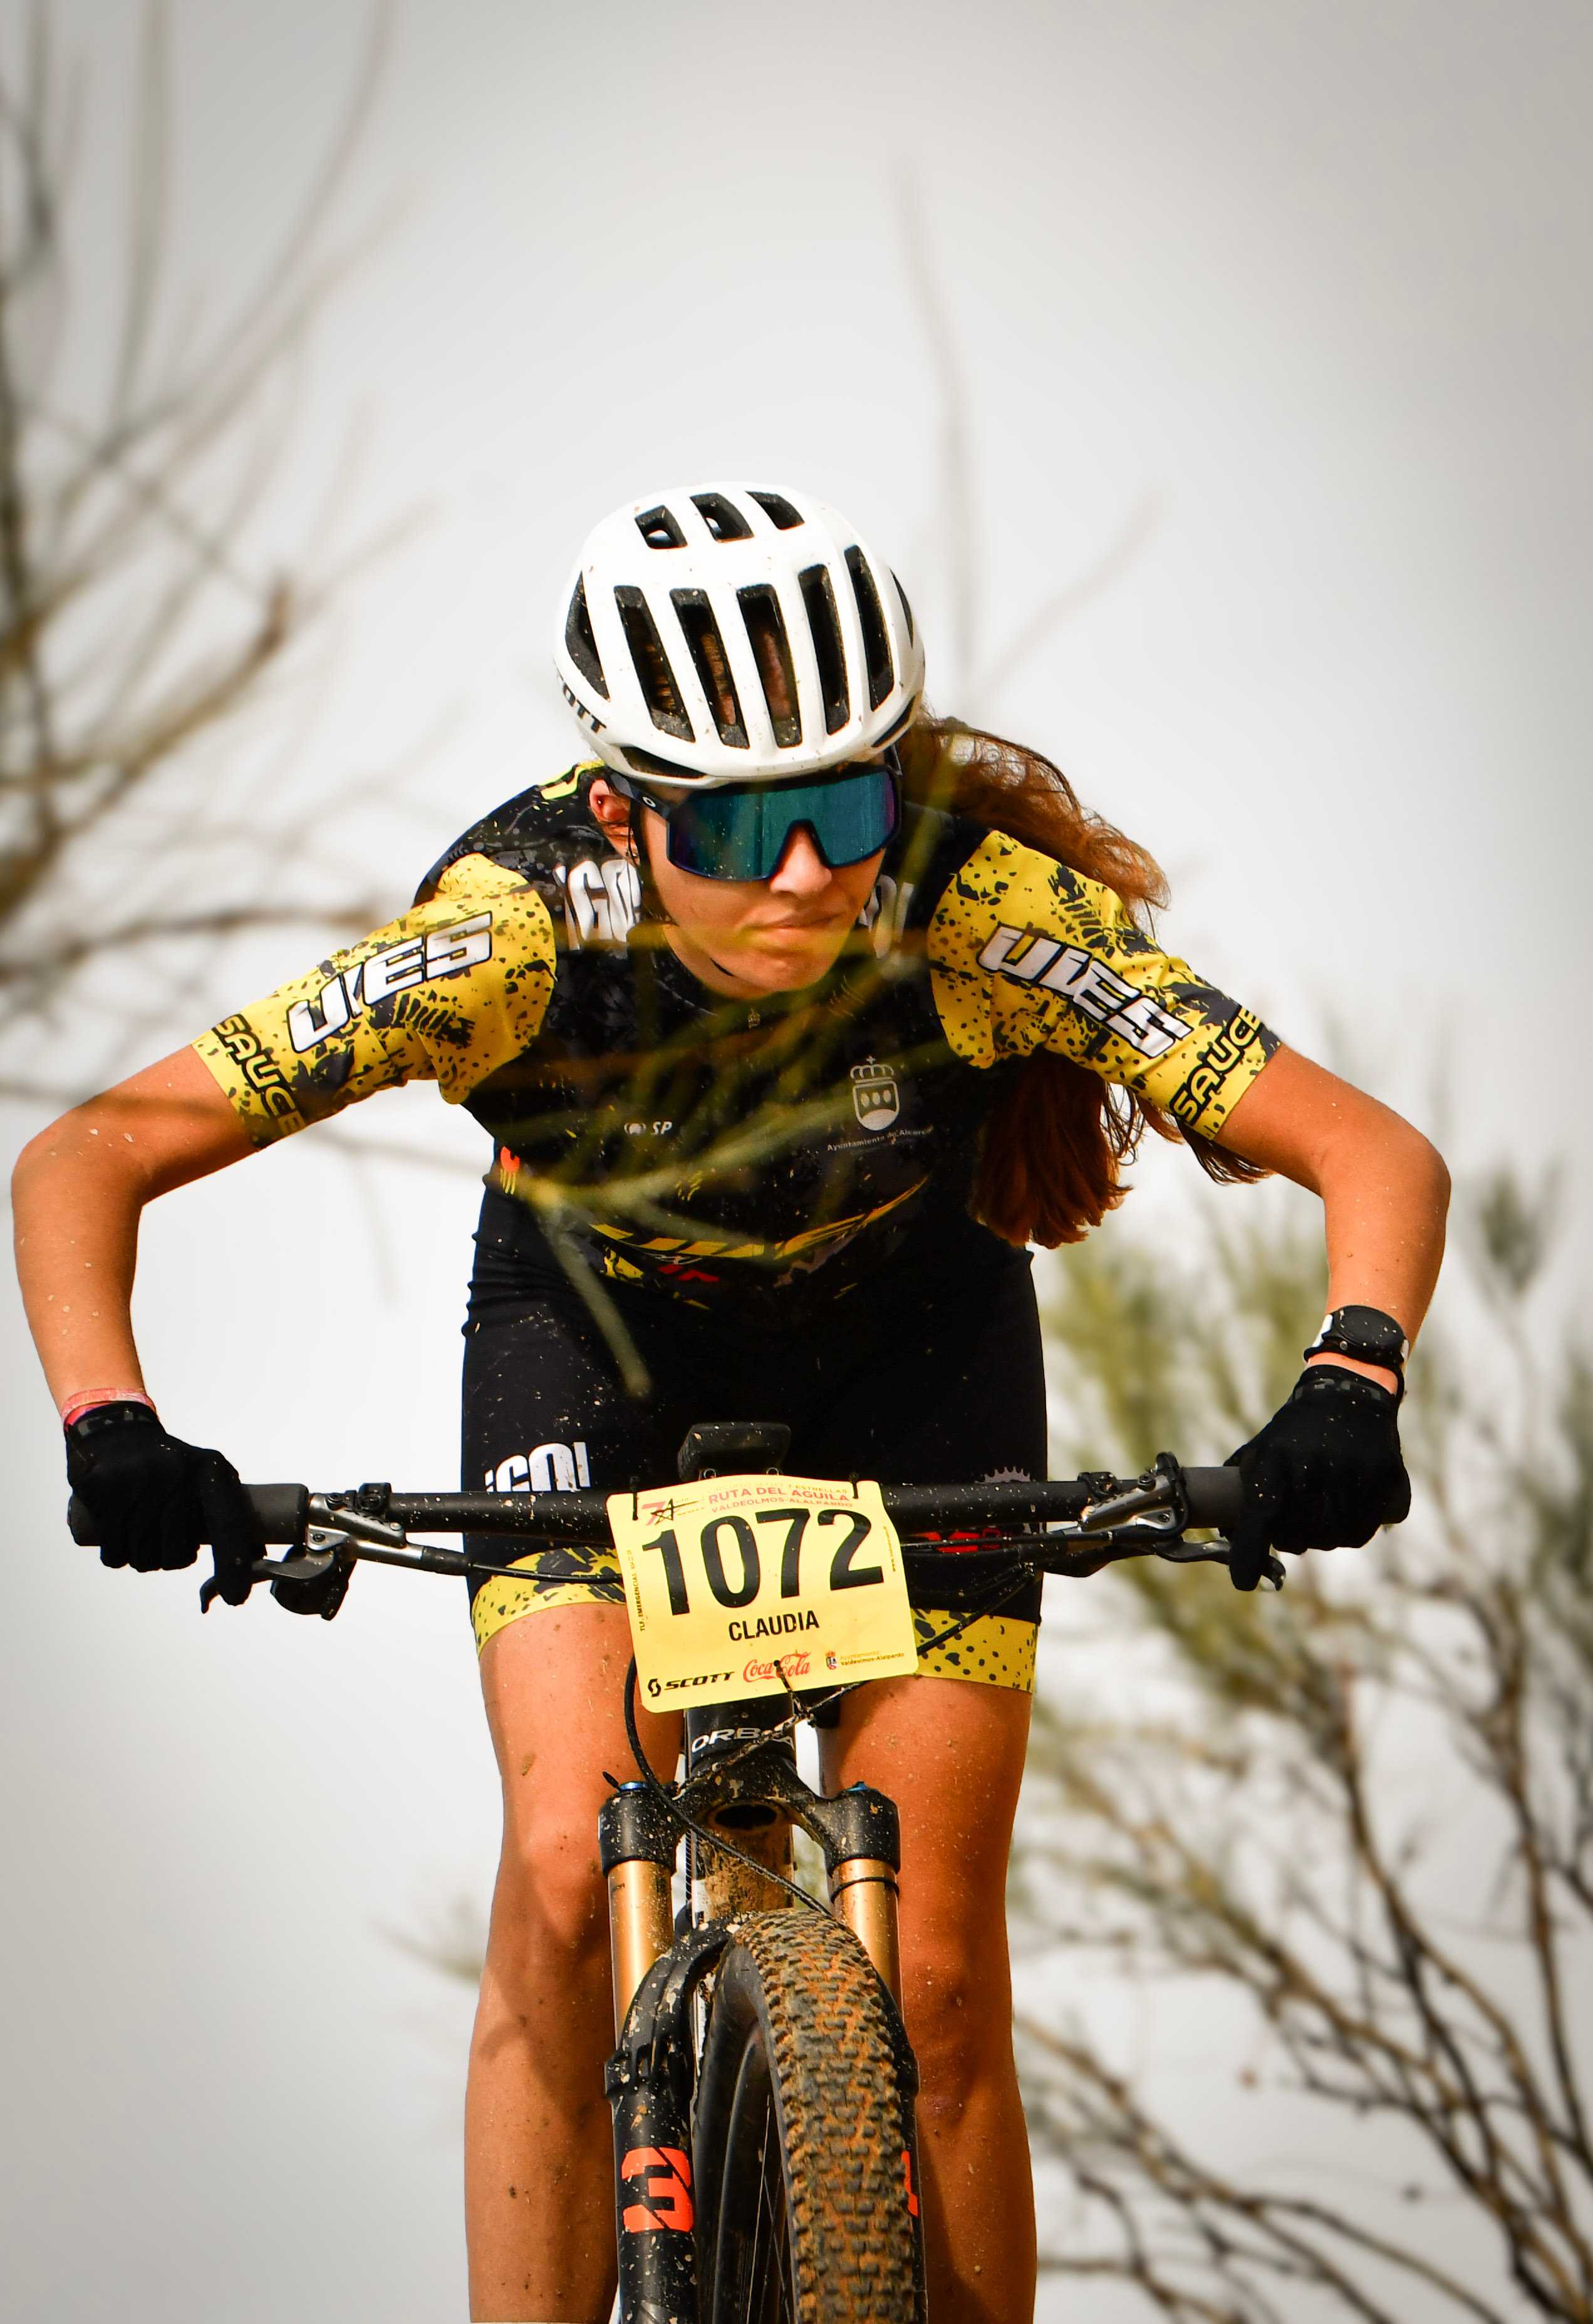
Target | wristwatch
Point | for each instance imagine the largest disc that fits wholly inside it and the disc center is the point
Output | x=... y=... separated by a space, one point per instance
x=1366 y=1334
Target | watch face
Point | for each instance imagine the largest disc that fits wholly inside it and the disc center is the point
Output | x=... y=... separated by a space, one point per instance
x=1366 y=1332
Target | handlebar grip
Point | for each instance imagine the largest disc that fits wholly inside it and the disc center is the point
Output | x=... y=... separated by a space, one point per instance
x=280 y=1511
x=1216 y=1495
x=283 y=1512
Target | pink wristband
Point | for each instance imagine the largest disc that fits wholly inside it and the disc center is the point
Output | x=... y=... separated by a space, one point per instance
x=84 y=1400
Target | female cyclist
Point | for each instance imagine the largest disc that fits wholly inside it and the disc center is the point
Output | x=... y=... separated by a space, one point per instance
x=794 y=1015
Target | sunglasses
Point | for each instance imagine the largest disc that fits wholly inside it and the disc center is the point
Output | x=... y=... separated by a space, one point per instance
x=741 y=832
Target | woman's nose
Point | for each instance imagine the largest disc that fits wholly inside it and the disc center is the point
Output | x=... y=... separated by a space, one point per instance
x=801 y=871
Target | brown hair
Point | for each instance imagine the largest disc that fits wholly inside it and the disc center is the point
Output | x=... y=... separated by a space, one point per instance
x=1057 y=1137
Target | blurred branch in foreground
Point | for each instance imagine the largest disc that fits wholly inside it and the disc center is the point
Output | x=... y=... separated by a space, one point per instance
x=138 y=621
x=1351 y=1827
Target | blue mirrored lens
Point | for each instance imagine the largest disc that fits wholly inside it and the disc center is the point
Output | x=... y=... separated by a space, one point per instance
x=741 y=833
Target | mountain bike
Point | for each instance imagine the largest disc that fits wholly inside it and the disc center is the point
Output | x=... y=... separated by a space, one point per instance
x=762 y=2085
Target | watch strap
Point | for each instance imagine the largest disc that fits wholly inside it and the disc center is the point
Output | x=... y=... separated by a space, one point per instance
x=1366 y=1334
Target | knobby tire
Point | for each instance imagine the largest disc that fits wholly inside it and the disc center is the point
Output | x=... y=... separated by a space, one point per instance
x=806 y=2204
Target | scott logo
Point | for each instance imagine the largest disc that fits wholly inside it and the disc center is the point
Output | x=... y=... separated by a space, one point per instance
x=1095 y=991
x=443 y=952
x=665 y=2173
x=655 y=1686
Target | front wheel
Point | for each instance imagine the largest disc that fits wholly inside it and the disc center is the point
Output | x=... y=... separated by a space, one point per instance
x=806 y=2166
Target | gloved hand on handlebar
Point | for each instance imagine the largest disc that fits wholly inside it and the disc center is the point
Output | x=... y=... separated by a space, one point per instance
x=1324 y=1474
x=155 y=1498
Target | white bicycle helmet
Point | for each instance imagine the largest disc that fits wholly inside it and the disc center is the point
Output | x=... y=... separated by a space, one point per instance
x=723 y=634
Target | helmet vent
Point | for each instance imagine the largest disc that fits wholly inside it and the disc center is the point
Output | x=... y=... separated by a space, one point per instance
x=906 y=609
x=723 y=519
x=581 y=644
x=780 y=512
x=765 y=627
x=877 y=646
x=653 y=674
x=642 y=762
x=713 y=668
x=660 y=530
x=824 y=623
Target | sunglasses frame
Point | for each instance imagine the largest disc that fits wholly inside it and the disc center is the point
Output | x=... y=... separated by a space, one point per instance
x=670 y=809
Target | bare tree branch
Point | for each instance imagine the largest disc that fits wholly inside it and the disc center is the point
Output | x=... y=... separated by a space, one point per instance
x=1249 y=1840
x=126 y=552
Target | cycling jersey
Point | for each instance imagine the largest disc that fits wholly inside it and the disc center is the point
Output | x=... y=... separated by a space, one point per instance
x=766 y=1153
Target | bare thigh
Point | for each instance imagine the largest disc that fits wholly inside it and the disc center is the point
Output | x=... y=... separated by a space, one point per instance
x=951 y=1754
x=554 y=1685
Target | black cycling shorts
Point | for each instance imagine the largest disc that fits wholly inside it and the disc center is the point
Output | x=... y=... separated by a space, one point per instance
x=928 y=1371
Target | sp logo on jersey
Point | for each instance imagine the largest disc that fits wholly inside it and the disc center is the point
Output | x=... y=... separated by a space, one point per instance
x=876 y=1099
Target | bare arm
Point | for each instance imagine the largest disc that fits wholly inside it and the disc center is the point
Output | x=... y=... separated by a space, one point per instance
x=77 y=1192
x=1384 y=1187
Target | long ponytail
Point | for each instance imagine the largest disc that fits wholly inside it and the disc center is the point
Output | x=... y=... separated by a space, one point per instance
x=1057 y=1140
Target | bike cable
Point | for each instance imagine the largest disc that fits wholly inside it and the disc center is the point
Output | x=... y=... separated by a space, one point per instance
x=606 y=1586
x=711 y=1840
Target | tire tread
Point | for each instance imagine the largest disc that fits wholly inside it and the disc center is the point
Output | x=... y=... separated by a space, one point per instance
x=843 y=2090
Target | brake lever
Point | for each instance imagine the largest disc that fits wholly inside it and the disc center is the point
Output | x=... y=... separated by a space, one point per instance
x=336 y=1517
x=306 y=1562
x=1219 y=1552
x=331 y=1528
x=1155 y=1501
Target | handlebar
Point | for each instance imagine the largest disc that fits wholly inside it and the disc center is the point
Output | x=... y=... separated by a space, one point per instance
x=1140 y=1513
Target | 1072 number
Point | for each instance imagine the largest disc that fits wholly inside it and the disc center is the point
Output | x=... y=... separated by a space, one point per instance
x=738 y=1535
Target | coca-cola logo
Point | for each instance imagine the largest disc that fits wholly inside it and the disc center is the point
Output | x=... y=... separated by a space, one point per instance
x=789 y=1666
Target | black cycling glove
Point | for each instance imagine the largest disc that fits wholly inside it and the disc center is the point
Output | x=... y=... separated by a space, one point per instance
x=1324 y=1474
x=154 y=1500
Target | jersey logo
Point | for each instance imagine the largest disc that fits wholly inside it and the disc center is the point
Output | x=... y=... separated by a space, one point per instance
x=441 y=952
x=1217 y=1060
x=876 y=1099
x=548 y=1468
x=259 y=1068
x=886 y=912
x=602 y=902
x=1095 y=991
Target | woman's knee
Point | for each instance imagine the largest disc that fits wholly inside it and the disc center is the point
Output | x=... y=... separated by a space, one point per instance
x=550 y=1917
x=957 y=2000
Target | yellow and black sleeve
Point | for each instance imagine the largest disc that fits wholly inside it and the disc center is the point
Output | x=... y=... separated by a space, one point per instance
x=1026 y=954
x=448 y=992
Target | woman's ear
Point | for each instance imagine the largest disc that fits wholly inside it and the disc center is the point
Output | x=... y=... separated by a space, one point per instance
x=613 y=815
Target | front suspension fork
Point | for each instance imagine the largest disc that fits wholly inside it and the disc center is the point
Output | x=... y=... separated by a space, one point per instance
x=650 y=2078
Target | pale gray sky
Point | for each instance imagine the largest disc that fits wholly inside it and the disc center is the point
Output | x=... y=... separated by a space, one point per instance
x=1307 y=283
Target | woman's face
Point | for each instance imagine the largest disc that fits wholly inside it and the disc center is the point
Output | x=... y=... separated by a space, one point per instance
x=747 y=936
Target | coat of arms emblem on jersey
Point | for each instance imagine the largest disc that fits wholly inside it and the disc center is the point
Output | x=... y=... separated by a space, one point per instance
x=876 y=1099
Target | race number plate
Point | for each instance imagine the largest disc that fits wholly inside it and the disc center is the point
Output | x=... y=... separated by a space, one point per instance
x=744 y=1585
